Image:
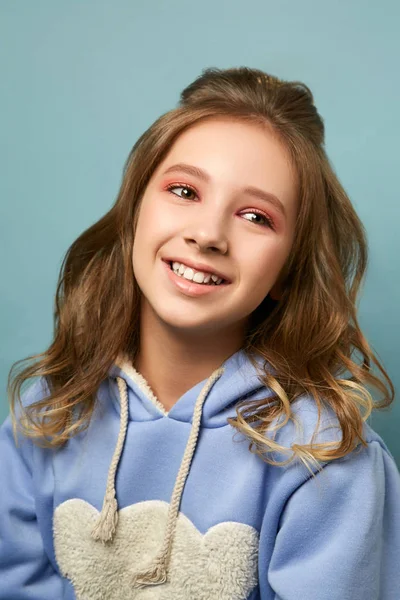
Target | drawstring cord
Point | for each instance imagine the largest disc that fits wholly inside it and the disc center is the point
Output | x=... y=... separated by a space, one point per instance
x=106 y=524
x=105 y=527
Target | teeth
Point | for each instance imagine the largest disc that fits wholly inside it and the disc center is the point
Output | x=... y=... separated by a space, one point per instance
x=196 y=276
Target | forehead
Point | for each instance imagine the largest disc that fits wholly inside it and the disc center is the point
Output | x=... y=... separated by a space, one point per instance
x=237 y=139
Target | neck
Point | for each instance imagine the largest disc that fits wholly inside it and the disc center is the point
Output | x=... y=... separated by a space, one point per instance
x=172 y=361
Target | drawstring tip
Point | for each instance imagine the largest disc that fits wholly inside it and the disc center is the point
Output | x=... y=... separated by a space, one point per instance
x=153 y=576
x=106 y=524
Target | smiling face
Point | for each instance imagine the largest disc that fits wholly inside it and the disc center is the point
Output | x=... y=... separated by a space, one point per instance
x=209 y=217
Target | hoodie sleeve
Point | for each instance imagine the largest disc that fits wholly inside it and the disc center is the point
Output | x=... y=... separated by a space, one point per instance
x=25 y=570
x=339 y=534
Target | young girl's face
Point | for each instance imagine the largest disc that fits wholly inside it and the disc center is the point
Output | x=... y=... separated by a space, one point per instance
x=216 y=222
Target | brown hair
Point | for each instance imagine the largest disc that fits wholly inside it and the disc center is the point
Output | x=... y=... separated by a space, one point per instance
x=309 y=336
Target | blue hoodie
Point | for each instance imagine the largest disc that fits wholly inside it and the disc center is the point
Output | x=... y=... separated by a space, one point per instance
x=160 y=505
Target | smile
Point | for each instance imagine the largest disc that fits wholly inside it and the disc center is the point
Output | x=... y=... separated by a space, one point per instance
x=189 y=287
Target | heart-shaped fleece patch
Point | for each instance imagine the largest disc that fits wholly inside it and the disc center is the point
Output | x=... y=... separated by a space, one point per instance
x=221 y=564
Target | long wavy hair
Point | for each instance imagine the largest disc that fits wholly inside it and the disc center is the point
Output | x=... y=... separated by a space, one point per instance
x=309 y=336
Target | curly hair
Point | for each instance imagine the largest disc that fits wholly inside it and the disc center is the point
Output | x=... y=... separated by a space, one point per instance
x=309 y=336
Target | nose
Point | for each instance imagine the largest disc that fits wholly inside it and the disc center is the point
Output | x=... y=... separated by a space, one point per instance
x=208 y=237
x=208 y=227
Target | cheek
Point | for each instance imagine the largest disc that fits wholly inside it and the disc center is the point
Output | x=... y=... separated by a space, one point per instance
x=149 y=227
x=264 y=263
x=264 y=258
x=154 y=228
x=158 y=221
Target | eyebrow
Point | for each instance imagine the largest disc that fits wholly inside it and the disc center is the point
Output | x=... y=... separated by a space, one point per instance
x=251 y=190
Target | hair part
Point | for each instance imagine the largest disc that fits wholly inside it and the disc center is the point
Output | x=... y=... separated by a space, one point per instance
x=308 y=336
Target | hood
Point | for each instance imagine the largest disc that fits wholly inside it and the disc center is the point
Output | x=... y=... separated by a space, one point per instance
x=209 y=403
x=238 y=380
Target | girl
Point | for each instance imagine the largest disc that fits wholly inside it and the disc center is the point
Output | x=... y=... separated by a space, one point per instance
x=218 y=295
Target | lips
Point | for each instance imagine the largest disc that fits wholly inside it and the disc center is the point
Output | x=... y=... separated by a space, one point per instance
x=199 y=267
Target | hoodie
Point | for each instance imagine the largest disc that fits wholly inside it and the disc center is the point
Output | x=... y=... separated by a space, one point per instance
x=171 y=505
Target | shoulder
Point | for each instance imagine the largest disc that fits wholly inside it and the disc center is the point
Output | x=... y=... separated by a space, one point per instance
x=303 y=426
x=304 y=429
x=37 y=390
x=34 y=392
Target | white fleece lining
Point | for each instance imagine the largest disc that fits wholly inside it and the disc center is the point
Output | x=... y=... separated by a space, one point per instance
x=125 y=366
x=221 y=564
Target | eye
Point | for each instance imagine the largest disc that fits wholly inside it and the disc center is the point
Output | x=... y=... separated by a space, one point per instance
x=268 y=222
x=187 y=188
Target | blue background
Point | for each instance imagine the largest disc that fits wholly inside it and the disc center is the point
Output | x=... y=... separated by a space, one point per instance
x=82 y=80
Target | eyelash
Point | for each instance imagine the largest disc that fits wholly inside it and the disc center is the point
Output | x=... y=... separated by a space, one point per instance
x=269 y=221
